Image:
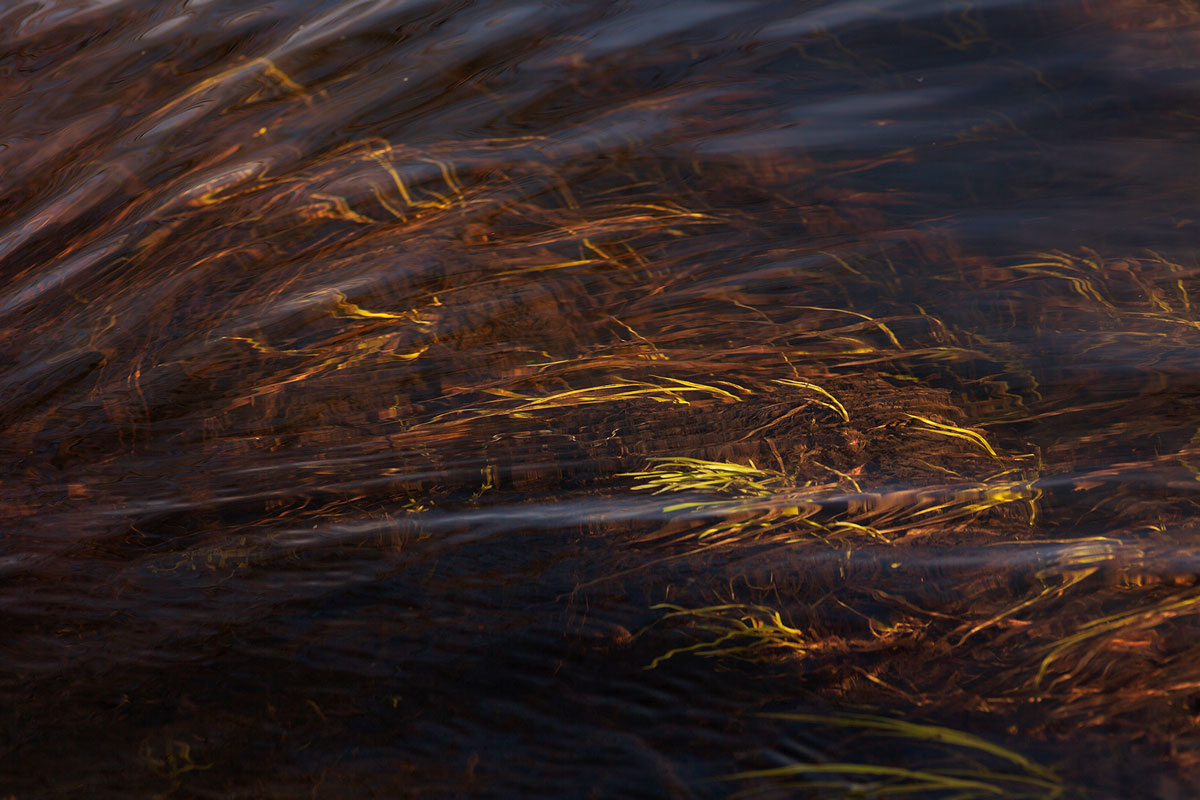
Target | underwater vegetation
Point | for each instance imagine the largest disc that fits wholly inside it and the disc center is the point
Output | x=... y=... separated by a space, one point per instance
x=613 y=400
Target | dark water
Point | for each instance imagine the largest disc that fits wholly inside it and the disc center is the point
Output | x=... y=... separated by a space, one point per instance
x=587 y=399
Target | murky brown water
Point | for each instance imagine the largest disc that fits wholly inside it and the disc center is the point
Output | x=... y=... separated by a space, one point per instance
x=565 y=399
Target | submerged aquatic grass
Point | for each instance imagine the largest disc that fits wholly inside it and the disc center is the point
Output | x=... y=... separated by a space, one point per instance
x=961 y=764
x=369 y=371
x=742 y=631
x=696 y=475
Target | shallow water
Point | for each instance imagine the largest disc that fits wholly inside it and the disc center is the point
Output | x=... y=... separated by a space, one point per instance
x=576 y=399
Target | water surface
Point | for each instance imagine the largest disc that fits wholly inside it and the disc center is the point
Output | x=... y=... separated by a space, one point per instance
x=573 y=399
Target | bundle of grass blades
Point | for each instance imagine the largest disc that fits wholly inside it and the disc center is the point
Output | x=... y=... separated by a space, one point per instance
x=954 y=763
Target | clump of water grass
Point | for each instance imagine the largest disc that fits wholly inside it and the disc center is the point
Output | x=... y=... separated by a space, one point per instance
x=680 y=474
x=1086 y=641
x=741 y=630
x=939 y=762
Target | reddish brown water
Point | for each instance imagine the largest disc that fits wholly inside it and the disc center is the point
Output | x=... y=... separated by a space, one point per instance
x=564 y=399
